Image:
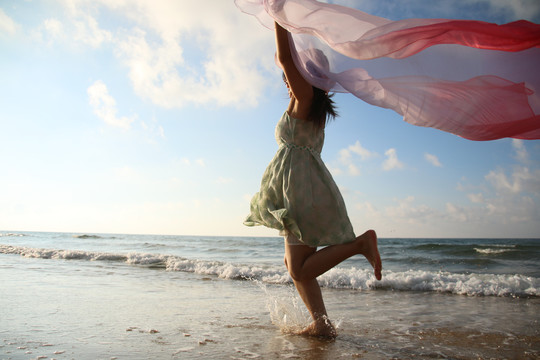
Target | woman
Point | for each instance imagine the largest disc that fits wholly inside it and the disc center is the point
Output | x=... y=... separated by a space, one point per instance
x=299 y=197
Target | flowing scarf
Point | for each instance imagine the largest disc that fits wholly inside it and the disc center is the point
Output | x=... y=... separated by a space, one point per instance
x=475 y=79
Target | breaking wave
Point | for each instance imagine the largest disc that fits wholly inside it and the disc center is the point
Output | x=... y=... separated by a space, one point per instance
x=339 y=278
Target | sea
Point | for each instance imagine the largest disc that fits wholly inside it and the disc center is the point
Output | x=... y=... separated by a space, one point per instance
x=120 y=296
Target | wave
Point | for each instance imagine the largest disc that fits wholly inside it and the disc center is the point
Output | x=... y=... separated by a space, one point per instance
x=11 y=235
x=88 y=236
x=490 y=251
x=478 y=250
x=338 y=278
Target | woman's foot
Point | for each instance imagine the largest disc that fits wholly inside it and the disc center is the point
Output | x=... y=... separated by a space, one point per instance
x=367 y=243
x=322 y=328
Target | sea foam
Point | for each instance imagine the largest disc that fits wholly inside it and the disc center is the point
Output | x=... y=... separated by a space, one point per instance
x=472 y=284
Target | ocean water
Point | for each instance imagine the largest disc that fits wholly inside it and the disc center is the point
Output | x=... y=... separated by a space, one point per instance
x=490 y=267
x=94 y=296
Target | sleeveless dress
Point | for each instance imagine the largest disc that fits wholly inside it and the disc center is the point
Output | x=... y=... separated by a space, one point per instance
x=298 y=193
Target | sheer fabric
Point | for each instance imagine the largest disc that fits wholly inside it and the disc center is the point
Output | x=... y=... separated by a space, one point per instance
x=474 y=79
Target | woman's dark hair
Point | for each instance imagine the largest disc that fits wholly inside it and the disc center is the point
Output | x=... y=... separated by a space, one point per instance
x=322 y=108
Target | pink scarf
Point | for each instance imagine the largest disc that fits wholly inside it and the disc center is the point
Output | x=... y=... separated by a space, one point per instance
x=474 y=79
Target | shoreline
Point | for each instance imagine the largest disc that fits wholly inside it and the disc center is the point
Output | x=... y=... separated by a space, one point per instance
x=66 y=309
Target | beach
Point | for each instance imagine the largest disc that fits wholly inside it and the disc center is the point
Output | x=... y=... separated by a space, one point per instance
x=90 y=304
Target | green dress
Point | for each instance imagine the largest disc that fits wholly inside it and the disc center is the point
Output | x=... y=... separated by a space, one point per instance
x=298 y=194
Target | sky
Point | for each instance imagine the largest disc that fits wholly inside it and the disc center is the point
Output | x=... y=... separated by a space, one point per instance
x=158 y=116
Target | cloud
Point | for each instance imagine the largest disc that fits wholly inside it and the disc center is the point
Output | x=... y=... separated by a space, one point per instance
x=346 y=158
x=77 y=29
x=391 y=161
x=515 y=9
x=217 y=69
x=104 y=106
x=181 y=52
x=504 y=203
x=87 y=31
x=358 y=149
x=432 y=159
x=476 y=198
x=346 y=154
x=521 y=153
x=456 y=213
x=353 y=170
x=522 y=179
x=509 y=195
x=7 y=25
x=368 y=208
x=406 y=210
x=153 y=130
x=54 y=28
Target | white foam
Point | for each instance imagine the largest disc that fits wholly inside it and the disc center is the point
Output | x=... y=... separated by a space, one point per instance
x=341 y=277
x=441 y=281
x=489 y=251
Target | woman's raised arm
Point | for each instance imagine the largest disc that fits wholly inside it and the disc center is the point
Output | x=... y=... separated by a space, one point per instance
x=302 y=91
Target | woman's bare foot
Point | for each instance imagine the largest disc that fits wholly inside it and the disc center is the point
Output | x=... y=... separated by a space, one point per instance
x=367 y=243
x=322 y=328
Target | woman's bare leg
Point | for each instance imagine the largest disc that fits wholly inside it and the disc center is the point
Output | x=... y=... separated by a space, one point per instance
x=319 y=262
x=310 y=293
x=305 y=264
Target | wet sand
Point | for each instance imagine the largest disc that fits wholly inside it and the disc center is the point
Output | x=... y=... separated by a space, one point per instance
x=62 y=310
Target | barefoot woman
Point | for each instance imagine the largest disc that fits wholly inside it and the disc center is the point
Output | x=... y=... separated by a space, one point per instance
x=299 y=197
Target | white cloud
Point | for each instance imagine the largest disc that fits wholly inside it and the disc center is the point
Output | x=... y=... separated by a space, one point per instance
x=181 y=52
x=87 y=31
x=522 y=179
x=508 y=196
x=521 y=152
x=368 y=208
x=407 y=211
x=476 y=198
x=54 y=28
x=7 y=25
x=392 y=161
x=353 y=170
x=358 y=149
x=175 y=52
x=515 y=9
x=456 y=213
x=346 y=158
x=78 y=28
x=335 y=171
x=153 y=130
x=432 y=159
x=104 y=106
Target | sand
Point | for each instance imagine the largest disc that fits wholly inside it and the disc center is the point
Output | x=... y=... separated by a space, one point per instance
x=62 y=309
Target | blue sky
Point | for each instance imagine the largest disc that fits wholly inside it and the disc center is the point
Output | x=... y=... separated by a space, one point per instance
x=154 y=116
